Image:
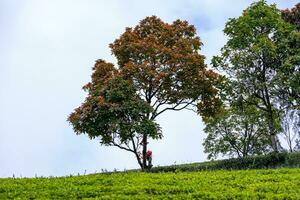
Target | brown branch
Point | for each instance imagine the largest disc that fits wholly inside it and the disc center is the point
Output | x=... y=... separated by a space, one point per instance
x=175 y=107
x=157 y=89
x=121 y=147
x=135 y=149
x=158 y=105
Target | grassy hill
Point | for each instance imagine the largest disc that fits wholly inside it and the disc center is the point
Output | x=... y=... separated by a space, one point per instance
x=280 y=183
x=207 y=180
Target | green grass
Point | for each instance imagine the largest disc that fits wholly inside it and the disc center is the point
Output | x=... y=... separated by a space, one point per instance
x=283 y=183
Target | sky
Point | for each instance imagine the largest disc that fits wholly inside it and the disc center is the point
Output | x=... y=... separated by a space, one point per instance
x=47 y=51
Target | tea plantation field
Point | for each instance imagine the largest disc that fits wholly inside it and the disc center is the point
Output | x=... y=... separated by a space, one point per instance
x=281 y=183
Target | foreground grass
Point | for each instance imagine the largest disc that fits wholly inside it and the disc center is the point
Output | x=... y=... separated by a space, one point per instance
x=281 y=183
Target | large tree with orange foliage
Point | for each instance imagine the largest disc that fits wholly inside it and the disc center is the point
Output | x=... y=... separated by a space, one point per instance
x=159 y=69
x=292 y=15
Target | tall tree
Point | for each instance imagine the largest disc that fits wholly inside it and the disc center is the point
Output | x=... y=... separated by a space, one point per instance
x=257 y=50
x=159 y=69
x=289 y=76
x=289 y=79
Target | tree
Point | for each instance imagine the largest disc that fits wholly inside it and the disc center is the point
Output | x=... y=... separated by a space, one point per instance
x=290 y=75
x=238 y=132
x=290 y=122
x=238 y=129
x=256 y=56
x=159 y=69
x=289 y=80
x=292 y=16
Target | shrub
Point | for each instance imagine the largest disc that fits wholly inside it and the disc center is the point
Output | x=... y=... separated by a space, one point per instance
x=273 y=160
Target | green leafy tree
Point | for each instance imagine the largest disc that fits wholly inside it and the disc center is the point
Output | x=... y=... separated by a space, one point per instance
x=237 y=133
x=159 y=70
x=256 y=57
x=289 y=80
x=238 y=129
x=289 y=76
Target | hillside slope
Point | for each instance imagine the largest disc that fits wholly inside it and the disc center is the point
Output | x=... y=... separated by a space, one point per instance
x=219 y=184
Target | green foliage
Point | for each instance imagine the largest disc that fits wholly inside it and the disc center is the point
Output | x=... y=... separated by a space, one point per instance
x=112 y=107
x=289 y=76
x=247 y=184
x=238 y=129
x=259 y=59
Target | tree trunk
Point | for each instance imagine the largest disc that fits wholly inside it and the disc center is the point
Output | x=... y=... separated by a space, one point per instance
x=144 y=153
x=136 y=153
x=288 y=136
x=272 y=130
x=139 y=160
x=144 y=141
x=267 y=101
x=271 y=125
x=274 y=143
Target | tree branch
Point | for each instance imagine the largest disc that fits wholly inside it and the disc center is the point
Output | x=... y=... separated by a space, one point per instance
x=121 y=147
x=175 y=107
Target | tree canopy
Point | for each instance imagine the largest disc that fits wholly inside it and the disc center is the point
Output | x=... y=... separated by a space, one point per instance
x=159 y=69
x=238 y=128
x=257 y=58
x=292 y=15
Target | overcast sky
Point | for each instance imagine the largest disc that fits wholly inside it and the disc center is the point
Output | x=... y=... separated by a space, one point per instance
x=47 y=50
